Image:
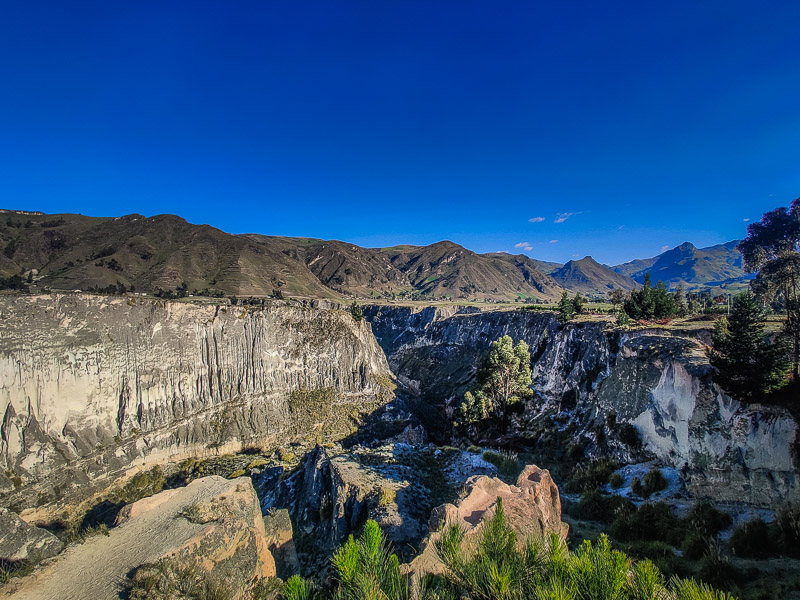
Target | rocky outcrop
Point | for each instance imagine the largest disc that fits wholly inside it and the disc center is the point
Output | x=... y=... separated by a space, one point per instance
x=20 y=541
x=212 y=527
x=93 y=385
x=334 y=492
x=591 y=378
x=532 y=508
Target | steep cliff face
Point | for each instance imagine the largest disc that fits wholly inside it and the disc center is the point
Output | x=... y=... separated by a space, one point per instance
x=658 y=381
x=91 y=385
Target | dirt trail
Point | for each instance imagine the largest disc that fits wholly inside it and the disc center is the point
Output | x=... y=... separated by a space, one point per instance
x=96 y=569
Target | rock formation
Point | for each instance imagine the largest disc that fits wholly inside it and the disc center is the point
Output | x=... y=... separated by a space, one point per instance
x=20 y=541
x=91 y=386
x=213 y=526
x=532 y=508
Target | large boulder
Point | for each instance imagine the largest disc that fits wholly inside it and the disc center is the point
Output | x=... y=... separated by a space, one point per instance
x=532 y=508
x=20 y=541
x=212 y=528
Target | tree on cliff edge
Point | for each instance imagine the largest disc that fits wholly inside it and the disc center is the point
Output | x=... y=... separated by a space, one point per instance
x=772 y=249
x=748 y=366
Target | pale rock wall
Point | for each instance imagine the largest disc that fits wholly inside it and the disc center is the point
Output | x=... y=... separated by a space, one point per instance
x=93 y=384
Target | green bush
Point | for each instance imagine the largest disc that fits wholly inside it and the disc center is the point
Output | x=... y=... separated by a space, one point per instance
x=616 y=480
x=716 y=570
x=654 y=481
x=591 y=476
x=506 y=462
x=788 y=523
x=695 y=545
x=660 y=554
x=708 y=520
x=755 y=539
x=652 y=521
x=594 y=506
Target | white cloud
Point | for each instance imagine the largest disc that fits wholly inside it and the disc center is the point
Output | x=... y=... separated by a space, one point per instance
x=746 y=219
x=553 y=242
x=621 y=226
x=536 y=220
x=528 y=248
x=664 y=248
x=561 y=217
x=522 y=244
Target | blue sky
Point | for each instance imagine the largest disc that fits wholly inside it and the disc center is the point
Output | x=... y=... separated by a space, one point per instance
x=645 y=124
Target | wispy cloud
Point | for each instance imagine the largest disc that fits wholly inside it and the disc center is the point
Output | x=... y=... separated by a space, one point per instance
x=553 y=242
x=561 y=217
x=664 y=248
x=522 y=244
x=536 y=220
x=746 y=219
x=621 y=227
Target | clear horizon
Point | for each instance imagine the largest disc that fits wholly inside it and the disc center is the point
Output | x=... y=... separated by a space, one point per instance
x=556 y=131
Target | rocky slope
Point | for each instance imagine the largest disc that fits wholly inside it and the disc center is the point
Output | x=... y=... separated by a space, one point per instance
x=589 y=379
x=211 y=528
x=93 y=386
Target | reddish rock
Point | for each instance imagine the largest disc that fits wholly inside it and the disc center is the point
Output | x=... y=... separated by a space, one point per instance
x=532 y=508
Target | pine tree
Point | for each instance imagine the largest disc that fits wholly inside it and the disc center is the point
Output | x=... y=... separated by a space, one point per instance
x=748 y=366
x=663 y=302
x=566 y=309
x=503 y=379
x=577 y=304
x=679 y=298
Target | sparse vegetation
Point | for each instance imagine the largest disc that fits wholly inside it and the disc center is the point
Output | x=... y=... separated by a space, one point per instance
x=507 y=463
x=166 y=580
x=141 y=485
x=387 y=496
x=499 y=567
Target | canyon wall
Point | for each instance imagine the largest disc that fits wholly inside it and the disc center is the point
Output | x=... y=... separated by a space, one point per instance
x=91 y=386
x=658 y=380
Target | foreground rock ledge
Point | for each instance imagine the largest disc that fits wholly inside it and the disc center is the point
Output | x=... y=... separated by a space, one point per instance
x=532 y=508
x=214 y=524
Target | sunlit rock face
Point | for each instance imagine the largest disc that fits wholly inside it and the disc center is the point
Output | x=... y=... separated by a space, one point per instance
x=657 y=380
x=93 y=385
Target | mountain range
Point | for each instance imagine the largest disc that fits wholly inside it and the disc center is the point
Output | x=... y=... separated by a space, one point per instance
x=70 y=251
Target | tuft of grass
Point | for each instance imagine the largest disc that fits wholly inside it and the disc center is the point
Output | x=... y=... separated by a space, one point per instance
x=194 y=514
x=387 y=496
x=507 y=463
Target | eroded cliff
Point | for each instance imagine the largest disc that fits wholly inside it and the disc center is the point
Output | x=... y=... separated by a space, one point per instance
x=590 y=377
x=91 y=386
